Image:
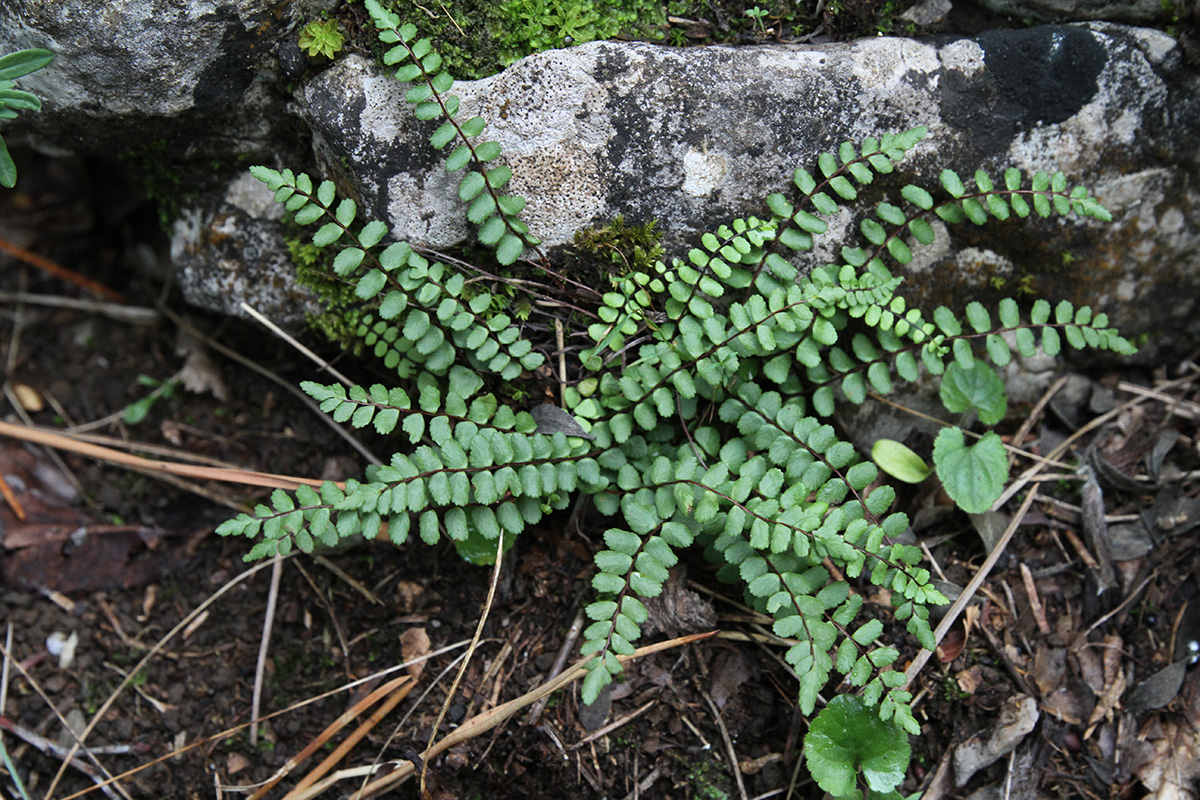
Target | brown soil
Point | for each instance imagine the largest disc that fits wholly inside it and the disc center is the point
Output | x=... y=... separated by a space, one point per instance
x=117 y=559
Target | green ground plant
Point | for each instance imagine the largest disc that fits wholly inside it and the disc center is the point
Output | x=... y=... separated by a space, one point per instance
x=321 y=38
x=696 y=417
x=12 y=99
x=530 y=26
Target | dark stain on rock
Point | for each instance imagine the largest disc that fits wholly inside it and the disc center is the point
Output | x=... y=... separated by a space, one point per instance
x=1040 y=76
x=1048 y=73
x=225 y=81
x=611 y=62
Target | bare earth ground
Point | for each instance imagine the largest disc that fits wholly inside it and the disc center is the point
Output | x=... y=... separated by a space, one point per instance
x=1051 y=674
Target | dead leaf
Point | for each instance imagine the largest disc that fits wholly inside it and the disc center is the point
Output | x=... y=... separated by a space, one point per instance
x=235 y=763
x=1091 y=668
x=1159 y=689
x=1163 y=443
x=1018 y=716
x=1114 y=683
x=1106 y=703
x=678 y=610
x=101 y=560
x=730 y=670
x=952 y=644
x=408 y=592
x=1062 y=694
x=1129 y=542
x=200 y=374
x=1113 y=657
x=969 y=679
x=1175 y=513
x=1111 y=474
x=1096 y=530
x=755 y=765
x=414 y=643
x=1049 y=669
x=1171 y=761
x=28 y=398
x=551 y=419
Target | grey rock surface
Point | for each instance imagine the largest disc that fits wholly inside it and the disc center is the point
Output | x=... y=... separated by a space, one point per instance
x=143 y=70
x=231 y=250
x=695 y=137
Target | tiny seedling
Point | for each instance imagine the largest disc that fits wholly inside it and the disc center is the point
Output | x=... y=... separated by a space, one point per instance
x=973 y=476
x=758 y=15
x=137 y=411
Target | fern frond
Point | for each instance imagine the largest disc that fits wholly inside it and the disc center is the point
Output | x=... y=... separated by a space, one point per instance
x=495 y=213
x=480 y=478
x=429 y=320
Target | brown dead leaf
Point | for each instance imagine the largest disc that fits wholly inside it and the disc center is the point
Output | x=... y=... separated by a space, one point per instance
x=1113 y=657
x=730 y=670
x=59 y=548
x=1061 y=692
x=408 y=592
x=971 y=616
x=199 y=374
x=1171 y=762
x=1106 y=702
x=969 y=680
x=28 y=397
x=1091 y=668
x=952 y=644
x=754 y=766
x=414 y=643
x=678 y=610
x=235 y=763
x=1049 y=670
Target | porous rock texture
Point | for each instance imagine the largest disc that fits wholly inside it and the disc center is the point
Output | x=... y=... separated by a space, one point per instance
x=695 y=137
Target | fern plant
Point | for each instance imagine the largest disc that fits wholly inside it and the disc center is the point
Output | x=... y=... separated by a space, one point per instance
x=12 y=99
x=698 y=415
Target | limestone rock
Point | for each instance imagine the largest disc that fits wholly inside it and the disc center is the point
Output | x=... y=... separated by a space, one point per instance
x=695 y=137
x=231 y=250
x=201 y=77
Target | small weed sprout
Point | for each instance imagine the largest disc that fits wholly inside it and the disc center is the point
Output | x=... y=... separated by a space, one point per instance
x=321 y=38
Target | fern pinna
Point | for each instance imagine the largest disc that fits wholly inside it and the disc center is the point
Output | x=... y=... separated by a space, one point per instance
x=701 y=402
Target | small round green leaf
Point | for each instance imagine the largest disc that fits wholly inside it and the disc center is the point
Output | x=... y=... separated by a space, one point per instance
x=978 y=387
x=848 y=737
x=974 y=476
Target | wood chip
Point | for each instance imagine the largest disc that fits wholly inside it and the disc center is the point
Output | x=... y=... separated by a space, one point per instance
x=1035 y=604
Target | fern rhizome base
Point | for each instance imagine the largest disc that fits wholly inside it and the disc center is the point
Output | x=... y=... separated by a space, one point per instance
x=696 y=412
